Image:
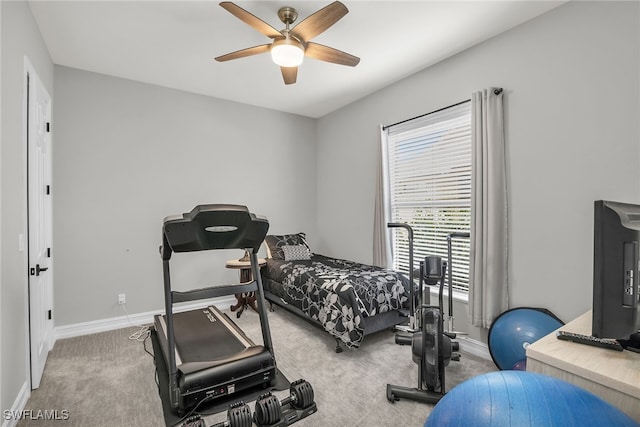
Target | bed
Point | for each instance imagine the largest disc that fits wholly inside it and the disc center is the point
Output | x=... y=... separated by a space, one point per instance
x=348 y=300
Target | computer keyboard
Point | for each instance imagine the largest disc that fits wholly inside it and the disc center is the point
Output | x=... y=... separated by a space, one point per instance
x=607 y=343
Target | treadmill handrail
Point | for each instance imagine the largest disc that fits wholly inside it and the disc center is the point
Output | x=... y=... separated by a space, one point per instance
x=212 y=292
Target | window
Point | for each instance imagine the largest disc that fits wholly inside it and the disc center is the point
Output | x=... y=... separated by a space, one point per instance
x=429 y=172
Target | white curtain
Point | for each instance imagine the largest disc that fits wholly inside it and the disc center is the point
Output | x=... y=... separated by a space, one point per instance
x=381 y=244
x=488 y=286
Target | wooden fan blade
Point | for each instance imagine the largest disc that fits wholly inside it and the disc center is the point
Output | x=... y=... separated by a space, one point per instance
x=245 y=52
x=329 y=54
x=289 y=74
x=250 y=19
x=318 y=22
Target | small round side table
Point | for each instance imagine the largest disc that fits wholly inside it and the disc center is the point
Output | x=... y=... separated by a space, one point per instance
x=244 y=299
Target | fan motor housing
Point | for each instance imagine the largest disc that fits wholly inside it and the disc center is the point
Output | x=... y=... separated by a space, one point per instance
x=287 y=15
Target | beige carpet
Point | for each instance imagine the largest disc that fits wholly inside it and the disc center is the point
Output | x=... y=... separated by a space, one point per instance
x=107 y=379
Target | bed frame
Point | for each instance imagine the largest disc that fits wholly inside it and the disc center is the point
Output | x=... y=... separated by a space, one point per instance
x=373 y=324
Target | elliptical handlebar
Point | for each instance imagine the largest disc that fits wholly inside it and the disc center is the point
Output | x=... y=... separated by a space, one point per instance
x=443 y=273
x=412 y=310
x=451 y=236
x=458 y=234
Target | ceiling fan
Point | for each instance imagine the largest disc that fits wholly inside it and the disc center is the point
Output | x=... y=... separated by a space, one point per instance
x=291 y=45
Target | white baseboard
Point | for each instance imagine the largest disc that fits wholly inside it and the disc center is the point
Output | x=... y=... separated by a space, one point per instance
x=475 y=347
x=467 y=345
x=132 y=320
x=12 y=416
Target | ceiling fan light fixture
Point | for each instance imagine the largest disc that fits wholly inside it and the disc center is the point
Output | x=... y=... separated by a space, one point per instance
x=289 y=46
x=287 y=52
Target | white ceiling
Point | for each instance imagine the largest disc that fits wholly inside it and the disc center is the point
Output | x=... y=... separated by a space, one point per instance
x=173 y=43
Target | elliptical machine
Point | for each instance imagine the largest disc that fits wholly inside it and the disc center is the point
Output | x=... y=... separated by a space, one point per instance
x=432 y=348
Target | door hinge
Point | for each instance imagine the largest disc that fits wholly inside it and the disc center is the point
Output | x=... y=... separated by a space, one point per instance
x=49 y=314
x=48 y=252
x=48 y=189
x=48 y=127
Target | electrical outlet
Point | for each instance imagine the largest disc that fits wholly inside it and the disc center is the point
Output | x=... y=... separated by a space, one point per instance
x=122 y=299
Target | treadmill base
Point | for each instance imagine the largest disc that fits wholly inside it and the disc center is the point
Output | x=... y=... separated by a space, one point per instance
x=218 y=405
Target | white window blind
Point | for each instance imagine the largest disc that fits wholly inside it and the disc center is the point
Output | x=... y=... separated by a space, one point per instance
x=429 y=170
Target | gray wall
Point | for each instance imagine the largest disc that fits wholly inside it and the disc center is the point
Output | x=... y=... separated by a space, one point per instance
x=20 y=37
x=128 y=154
x=571 y=80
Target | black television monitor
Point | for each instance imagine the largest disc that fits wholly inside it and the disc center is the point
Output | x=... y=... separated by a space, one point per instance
x=616 y=270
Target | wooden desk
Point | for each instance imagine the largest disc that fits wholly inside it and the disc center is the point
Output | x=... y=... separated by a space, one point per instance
x=612 y=375
x=244 y=299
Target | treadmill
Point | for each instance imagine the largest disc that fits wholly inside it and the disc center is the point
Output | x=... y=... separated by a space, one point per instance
x=207 y=355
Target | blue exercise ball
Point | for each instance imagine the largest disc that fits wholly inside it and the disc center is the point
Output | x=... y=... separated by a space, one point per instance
x=514 y=330
x=518 y=398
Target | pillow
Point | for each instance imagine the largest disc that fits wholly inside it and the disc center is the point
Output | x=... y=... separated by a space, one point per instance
x=275 y=244
x=296 y=252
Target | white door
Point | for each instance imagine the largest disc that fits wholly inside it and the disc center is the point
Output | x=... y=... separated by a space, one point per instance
x=39 y=225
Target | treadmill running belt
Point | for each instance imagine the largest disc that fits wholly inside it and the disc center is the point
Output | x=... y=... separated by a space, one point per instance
x=204 y=337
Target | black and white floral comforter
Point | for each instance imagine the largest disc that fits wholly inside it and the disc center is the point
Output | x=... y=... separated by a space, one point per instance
x=337 y=293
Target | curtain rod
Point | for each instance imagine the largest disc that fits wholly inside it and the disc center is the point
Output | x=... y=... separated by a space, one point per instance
x=426 y=114
x=496 y=91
